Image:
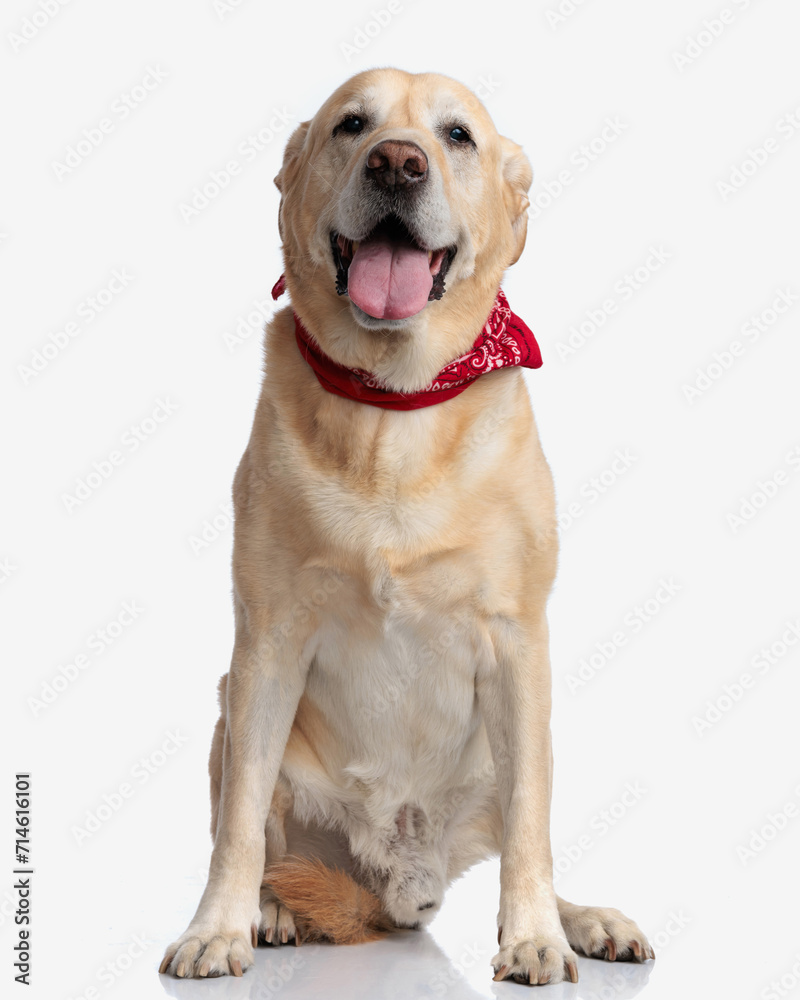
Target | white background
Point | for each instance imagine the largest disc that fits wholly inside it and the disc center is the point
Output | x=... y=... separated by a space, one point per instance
x=724 y=924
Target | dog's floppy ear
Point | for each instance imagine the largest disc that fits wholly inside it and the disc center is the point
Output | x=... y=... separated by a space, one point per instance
x=517 y=176
x=285 y=175
x=290 y=156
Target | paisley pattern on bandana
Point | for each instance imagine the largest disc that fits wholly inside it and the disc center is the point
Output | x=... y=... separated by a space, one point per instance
x=504 y=341
x=496 y=347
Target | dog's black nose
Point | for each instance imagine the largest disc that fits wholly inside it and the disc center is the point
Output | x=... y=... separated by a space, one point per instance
x=392 y=164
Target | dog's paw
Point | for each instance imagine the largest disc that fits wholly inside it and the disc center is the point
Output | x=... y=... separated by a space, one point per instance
x=602 y=932
x=197 y=956
x=536 y=962
x=277 y=924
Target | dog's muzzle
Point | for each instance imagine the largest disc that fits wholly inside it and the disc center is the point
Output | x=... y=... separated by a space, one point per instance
x=391 y=272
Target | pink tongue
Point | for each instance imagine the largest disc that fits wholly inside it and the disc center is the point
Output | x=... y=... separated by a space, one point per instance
x=389 y=280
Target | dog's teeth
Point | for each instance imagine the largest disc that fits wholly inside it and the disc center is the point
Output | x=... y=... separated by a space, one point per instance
x=430 y=256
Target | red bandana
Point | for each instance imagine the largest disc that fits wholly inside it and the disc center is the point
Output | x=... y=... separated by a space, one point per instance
x=504 y=340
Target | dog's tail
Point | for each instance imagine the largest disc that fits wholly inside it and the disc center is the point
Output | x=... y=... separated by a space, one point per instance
x=328 y=904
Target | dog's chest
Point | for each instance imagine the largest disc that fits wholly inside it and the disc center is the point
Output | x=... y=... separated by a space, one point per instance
x=398 y=502
x=393 y=713
x=395 y=682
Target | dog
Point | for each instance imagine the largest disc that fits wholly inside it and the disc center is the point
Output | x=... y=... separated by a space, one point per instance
x=385 y=722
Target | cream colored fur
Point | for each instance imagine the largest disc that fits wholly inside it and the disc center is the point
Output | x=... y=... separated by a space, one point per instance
x=387 y=708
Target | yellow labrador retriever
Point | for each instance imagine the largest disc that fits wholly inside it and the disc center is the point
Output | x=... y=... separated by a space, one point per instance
x=386 y=718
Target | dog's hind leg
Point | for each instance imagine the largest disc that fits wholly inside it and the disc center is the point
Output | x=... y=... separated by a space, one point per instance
x=602 y=932
x=477 y=837
x=277 y=924
x=215 y=757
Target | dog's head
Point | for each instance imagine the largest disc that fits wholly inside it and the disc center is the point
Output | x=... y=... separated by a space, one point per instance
x=401 y=207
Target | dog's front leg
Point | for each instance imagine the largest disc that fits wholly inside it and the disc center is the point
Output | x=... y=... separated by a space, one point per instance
x=514 y=696
x=264 y=687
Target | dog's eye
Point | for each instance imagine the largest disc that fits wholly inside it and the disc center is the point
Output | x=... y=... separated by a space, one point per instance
x=459 y=134
x=352 y=124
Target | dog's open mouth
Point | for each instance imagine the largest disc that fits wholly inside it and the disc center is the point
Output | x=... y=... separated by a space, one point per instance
x=388 y=274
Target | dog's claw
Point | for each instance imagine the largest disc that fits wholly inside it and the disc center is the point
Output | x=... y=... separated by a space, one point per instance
x=500 y=975
x=611 y=950
x=284 y=935
x=298 y=940
x=254 y=935
x=637 y=950
x=181 y=970
x=165 y=964
x=205 y=968
x=236 y=968
x=572 y=971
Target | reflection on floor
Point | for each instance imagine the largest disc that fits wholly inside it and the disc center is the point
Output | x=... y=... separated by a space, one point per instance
x=404 y=966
